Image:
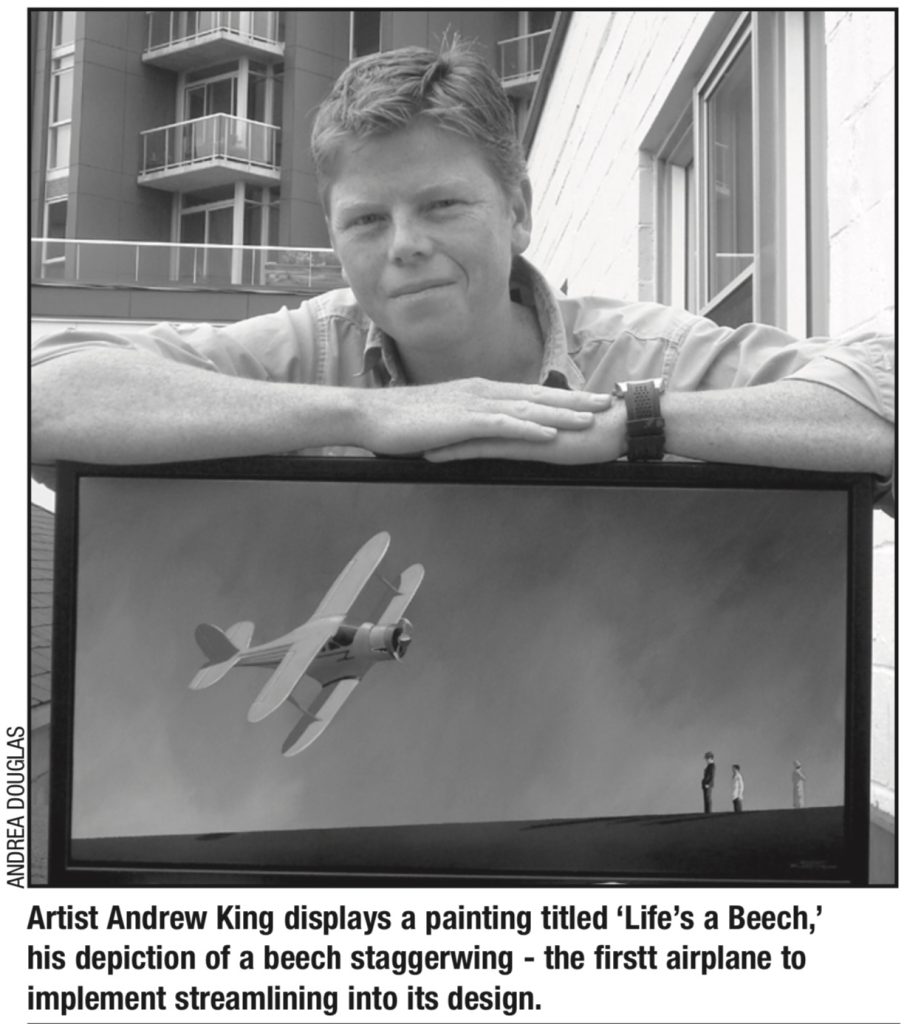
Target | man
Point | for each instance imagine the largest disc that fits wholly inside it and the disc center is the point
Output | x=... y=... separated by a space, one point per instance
x=737 y=788
x=708 y=781
x=449 y=344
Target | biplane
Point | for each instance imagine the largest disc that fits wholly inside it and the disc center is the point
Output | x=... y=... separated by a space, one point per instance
x=321 y=662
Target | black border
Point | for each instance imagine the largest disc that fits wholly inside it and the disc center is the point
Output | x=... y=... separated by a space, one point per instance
x=63 y=869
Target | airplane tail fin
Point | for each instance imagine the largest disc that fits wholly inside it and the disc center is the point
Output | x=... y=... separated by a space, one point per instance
x=222 y=649
x=218 y=644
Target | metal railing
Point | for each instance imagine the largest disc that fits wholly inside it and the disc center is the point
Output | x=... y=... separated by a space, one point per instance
x=100 y=262
x=185 y=28
x=215 y=137
x=522 y=56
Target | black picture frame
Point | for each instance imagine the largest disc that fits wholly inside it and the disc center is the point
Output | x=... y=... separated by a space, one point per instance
x=644 y=848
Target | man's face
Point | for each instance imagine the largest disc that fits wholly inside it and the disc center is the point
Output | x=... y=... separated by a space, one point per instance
x=425 y=234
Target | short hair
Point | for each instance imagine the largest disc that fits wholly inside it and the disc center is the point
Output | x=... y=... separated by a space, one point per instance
x=737 y=767
x=709 y=753
x=385 y=92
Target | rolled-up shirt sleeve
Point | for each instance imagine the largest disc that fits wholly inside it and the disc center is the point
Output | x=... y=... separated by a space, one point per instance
x=612 y=340
x=860 y=365
x=281 y=346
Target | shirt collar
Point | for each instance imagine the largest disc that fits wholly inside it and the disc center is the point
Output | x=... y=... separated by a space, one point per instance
x=530 y=288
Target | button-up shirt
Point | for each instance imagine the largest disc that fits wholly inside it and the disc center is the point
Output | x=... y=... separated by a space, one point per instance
x=590 y=343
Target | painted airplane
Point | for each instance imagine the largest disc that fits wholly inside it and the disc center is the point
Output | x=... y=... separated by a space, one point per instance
x=323 y=660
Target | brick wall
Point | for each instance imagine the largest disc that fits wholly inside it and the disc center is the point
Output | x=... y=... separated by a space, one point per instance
x=594 y=219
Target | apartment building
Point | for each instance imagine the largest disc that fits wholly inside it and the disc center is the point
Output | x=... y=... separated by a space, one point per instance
x=169 y=149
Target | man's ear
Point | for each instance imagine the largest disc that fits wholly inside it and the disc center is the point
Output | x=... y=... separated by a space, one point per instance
x=522 y=223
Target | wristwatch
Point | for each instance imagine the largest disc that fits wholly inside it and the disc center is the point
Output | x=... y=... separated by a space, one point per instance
x=646 y=427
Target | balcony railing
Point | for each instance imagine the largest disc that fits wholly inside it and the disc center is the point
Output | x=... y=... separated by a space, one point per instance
x=172 y=31
x=222 y=139
x=183 y=265
x=521 y=58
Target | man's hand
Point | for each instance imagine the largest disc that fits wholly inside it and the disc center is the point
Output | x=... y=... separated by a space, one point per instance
x=603 y=440
x=474 y=418
x=794 y=424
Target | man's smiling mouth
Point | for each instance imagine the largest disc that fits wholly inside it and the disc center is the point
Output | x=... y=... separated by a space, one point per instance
x=417 y=288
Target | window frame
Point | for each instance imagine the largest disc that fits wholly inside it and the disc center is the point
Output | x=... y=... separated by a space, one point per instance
x=706 y=302
x=61 y=64
x=790 y=218
x=49 y=240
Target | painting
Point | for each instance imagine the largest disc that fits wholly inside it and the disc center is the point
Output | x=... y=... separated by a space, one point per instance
x=537 y=698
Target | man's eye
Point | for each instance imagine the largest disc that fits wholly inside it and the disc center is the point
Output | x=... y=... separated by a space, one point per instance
x=445 y=204
x=365 y=220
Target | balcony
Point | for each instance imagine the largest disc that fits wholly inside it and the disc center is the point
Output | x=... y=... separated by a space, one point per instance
x=115 y=264
x=521 y=60
x=208 y=151
x=184 y=40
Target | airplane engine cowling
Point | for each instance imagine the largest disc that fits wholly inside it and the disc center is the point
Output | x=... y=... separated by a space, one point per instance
x=386 y=641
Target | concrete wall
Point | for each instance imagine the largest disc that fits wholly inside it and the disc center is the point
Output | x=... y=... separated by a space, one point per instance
x=430 y=27
x=316 y=53
x=594 y=223
x=121 y=97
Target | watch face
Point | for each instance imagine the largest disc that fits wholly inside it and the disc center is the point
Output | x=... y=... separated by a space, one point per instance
x=621 y=386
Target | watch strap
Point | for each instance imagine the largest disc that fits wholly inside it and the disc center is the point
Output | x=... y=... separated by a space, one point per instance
x=646 y=427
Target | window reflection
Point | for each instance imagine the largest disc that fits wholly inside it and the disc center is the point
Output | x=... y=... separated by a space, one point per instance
x=729 y=155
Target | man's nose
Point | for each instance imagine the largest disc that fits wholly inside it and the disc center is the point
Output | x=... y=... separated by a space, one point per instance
x=409 y=239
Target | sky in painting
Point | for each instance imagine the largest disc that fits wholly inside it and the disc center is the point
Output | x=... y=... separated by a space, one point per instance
x=575 y=653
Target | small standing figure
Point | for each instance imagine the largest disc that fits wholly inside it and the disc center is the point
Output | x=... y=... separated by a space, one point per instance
x=709 y=779
x=797 y=785
x=737 y=788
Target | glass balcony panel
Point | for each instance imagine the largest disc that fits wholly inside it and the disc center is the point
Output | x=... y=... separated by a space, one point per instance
x=199 y=262
x=167 y=29
x=260 y=26
x=231 y=140
x=160 y=28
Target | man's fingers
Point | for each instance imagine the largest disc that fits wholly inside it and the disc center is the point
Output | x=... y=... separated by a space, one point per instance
x=562 y=398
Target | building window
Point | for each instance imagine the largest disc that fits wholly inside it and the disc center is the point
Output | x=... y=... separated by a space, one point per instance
x=365 y=33
x=63 y=29
x=53 y=254
x=60 y=117
x=738 y=228
x=212 y=91
x=725 y=119
x=220 y=229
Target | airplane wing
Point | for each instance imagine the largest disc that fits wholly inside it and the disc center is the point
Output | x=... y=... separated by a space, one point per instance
x=351 y=581
x=318 y=715
x=306 y=644
x=409 y=581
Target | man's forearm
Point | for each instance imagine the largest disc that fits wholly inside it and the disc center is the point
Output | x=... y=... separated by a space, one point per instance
x=795 y=424
x=127 y=407
x=791 y=424
x=131 y=407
